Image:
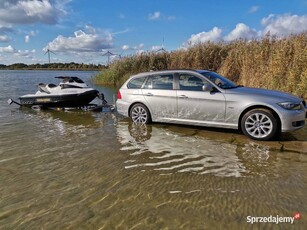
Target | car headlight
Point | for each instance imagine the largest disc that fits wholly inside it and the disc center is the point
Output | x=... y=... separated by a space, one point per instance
x=290 y=105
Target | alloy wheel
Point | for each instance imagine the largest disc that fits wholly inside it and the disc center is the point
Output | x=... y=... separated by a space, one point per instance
x=258 y=125
x=139 y=114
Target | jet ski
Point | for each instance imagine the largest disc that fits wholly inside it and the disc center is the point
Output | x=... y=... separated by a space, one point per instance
x=71 y=92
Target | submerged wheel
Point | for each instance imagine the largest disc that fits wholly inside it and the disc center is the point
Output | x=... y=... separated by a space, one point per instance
x=140 y=114
x=259 y=124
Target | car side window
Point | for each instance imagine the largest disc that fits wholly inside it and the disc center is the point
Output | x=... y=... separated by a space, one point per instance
x=136 y=83
x=190 y=82
x=159 y=82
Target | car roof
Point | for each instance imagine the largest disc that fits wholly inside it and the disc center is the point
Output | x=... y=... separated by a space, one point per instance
x=168 y=71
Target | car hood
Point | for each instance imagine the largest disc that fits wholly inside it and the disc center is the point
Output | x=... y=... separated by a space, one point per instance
x=257 y=92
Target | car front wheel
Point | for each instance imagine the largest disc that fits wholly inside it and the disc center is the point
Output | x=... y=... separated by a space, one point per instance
x=259 y=124
x=140 y=114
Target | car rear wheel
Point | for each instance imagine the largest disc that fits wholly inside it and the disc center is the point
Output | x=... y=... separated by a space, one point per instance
x=140 y=114
x=259 y=124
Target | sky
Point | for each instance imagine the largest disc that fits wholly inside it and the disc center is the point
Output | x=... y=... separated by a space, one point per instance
x=83 y=31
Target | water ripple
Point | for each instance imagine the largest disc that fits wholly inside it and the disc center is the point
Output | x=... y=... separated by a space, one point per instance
x=160 y=149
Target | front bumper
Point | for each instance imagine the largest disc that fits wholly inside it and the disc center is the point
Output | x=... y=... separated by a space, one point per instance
x=292 y=119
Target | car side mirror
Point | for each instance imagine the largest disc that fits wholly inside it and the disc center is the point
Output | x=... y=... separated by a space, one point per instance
x=207 y=88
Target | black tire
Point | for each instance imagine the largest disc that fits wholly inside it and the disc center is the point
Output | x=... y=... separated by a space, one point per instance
x=140 y=114
x=259 y=124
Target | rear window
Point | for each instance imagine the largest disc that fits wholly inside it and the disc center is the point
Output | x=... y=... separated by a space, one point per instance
x=136 y=83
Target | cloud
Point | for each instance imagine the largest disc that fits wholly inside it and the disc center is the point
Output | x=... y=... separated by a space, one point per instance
x=25 y=53
x=9 y=54
x=156 y=48
x=159 y=16
x=82 y=42
x=31 y=11
x=282 y=25
x=154 y=16
x=6 y=29
x=19 y=53
x=125 y=47
x=213 y=35
x=140 y=46
x=171 y=17
x=27 y=38
x=30 y=34
x=33 y=32
x=253 y=9
x=127 y=30
x=136 y=48
x=241 y=31
x=90 y=29
x=3 y=34
x=7 y=49
x=4 y=38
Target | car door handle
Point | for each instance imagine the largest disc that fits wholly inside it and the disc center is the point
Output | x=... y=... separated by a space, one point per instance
x=183 y=96
x=149 y=94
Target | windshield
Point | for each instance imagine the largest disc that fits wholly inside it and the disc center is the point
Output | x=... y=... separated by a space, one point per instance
x=76 y=79
x=218 y=80
x=67 y=79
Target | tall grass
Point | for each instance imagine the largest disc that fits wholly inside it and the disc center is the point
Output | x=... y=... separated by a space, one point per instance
x=272 y=63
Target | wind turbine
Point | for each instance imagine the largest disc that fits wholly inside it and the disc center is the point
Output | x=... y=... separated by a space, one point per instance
x=108 y=54
x=162 y=48
x=49 y=51
x=120 y=55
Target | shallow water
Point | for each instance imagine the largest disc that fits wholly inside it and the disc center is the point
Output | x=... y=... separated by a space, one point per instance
x=85 y=170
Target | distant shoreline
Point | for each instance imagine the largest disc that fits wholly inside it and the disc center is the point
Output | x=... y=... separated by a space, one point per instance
x=56 y=69
x=72 y=66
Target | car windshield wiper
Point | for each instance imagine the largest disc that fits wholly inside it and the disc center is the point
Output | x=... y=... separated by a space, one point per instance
x=230 y=87
x=233 y=87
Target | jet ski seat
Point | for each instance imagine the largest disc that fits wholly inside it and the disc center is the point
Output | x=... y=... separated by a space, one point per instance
x=42 y=87
x=52 y=85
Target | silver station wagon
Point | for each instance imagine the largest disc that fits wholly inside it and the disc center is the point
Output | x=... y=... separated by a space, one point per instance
x=204 y=98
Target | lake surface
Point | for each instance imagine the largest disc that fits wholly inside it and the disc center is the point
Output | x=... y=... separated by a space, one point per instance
x=86 y=170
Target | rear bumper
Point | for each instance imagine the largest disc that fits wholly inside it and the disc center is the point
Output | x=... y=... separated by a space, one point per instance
x=122 y=107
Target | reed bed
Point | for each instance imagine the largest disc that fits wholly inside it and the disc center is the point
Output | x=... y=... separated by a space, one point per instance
x=272 y=63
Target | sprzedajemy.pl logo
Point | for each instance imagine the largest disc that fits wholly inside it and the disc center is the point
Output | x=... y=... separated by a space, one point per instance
x=273 y=219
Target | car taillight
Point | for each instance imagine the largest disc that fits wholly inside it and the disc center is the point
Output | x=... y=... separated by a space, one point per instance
x=119 y=96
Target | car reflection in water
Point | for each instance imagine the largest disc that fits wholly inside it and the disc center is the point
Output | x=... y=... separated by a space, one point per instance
x=71 y=128
x=157 y=148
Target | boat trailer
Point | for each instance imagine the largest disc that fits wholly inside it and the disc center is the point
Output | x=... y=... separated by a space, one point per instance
x=104 y=106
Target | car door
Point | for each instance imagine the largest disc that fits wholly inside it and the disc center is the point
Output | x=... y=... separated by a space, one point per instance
x=160 y=97
x=196 y=105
